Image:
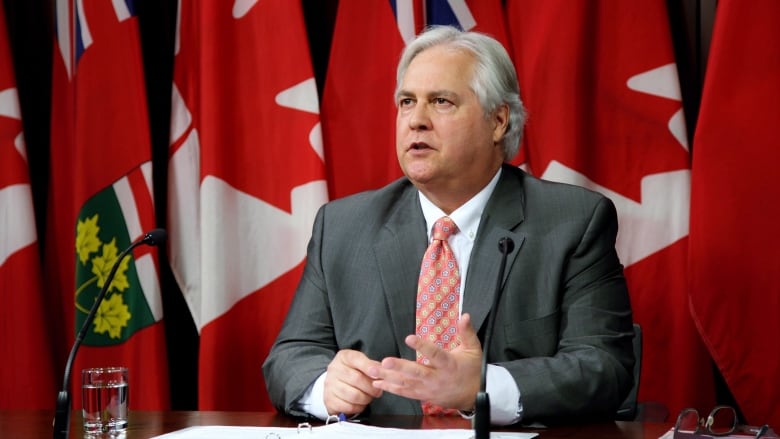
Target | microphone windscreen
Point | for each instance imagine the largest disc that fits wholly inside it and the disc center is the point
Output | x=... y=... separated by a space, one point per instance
x=506 y=245
x=155 y=237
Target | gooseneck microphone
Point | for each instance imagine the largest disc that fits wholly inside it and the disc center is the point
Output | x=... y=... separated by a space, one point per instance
x=62 y=414
x=482 y=404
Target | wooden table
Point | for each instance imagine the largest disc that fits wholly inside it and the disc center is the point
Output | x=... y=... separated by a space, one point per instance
x=24 y=424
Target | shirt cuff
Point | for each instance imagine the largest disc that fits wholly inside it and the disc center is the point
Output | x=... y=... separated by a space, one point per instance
x=506 y=405
x=313 y=401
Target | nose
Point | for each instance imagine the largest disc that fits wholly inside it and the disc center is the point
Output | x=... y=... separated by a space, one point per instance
x=419 y=119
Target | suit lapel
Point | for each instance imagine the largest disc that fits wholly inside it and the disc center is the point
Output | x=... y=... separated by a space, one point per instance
x=503 y=214
x=402 y=241
x=398 y=251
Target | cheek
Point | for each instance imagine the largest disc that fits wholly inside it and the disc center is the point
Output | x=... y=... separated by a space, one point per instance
x=401 y=123
x=400 y=133
x=463 y=134
x=471 y=142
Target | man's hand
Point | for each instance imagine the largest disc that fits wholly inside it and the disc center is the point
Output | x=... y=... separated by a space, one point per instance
x=348 y=387
x=450 y=379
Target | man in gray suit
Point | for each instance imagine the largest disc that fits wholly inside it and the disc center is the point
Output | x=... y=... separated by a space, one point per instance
x=561 y=348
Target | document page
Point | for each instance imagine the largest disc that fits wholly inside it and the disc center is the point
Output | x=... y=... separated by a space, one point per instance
x=341 y=430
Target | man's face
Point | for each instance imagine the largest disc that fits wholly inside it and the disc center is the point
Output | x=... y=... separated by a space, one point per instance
x=445 y=144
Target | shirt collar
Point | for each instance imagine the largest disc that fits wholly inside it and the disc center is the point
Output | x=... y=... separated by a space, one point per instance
x=467 y=216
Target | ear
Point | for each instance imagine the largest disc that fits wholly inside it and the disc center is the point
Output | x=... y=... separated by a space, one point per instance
x=501 y=122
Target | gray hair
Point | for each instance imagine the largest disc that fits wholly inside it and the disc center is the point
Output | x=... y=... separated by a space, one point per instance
x=494 y=81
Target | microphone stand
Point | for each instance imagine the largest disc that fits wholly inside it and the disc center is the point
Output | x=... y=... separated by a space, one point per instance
x=62 y=413
x=482 y=405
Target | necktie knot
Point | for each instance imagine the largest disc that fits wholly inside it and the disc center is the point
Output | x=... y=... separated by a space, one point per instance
x=443 y=228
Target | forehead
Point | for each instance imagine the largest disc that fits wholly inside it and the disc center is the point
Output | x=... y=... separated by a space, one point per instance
x=440 y=66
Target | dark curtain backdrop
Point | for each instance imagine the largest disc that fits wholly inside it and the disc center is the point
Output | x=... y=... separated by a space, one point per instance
x=31 y=33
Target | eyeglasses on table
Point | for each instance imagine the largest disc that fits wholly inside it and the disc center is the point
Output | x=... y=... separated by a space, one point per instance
x=721 y=421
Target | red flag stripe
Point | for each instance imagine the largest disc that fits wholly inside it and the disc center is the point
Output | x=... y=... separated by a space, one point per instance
x=734 y=262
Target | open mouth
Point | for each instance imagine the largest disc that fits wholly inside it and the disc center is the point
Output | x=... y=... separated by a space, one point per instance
x=419 y=146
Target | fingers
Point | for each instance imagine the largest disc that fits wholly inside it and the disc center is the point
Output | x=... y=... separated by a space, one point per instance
x=439 y=358
x=348 y=388
x=354 y=361
x=433 y=381
x=406 y=378
x=354 y=380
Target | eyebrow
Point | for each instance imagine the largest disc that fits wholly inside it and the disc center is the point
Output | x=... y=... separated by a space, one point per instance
x=433 y=93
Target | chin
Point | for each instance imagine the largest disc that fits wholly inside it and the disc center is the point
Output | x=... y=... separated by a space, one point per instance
x=417 y=174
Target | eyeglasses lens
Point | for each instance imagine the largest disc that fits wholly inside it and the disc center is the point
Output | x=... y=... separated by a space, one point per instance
x=722 y=420
x=688 y=420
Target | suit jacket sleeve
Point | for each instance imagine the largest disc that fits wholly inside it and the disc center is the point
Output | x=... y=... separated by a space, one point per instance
x=305 y=346
x=357 y=292
x=564 y=325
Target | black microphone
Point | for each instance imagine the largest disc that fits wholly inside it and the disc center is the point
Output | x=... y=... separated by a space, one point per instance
x=482 y=404
x=62 y=414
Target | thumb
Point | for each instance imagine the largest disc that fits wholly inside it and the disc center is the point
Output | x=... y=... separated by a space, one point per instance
x=468 y=337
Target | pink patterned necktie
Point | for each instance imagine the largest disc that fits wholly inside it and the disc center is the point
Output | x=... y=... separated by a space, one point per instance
x=438 y=297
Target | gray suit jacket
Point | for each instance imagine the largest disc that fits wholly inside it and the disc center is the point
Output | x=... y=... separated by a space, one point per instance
x=563 y=328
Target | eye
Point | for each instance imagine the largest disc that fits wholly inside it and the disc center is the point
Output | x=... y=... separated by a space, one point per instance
x=405 y=102
x=442 y=102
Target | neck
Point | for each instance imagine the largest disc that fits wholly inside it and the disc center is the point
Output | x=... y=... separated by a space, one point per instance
x=449 y=198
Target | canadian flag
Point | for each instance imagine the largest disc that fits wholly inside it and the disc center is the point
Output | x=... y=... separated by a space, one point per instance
x=734 y=261
x=246 y=177
x=100 y=199
x=28 y=380
x=600 y=83
x=358 y=112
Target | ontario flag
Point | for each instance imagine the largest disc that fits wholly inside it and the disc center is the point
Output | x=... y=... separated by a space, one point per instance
x=485 y=16
x=101 y=197
x=246 y=178
x=28 y=378
x=734 y=259
x=600 y=83
x=358 y=112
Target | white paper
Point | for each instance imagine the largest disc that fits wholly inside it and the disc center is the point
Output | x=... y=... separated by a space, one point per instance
x=341 y=430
